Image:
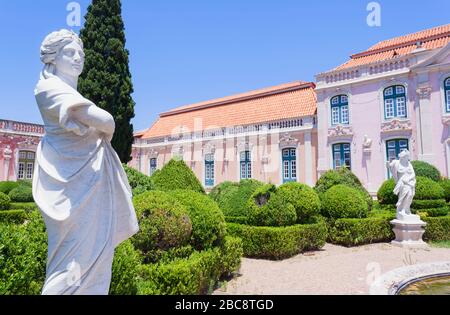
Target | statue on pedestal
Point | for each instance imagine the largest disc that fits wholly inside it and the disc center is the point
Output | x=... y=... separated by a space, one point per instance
x=79 y=183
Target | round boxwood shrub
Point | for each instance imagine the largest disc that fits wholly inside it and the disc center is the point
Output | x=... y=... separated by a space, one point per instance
x=125 y=270
x=5 y=201
x=445 y=184
x=305 y=200
x=342 y=201
x=386 y=194
x=176 y=175
x=424 y=169
x=164 y=222
x=427 y=189
x=342 y=176
x=221 y=189
x=21 y=194
x=208 y=221
x=6 y=187
x=268 y=207
x=139 y=182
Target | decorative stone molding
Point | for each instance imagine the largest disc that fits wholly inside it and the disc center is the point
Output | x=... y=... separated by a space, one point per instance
x=265 y=160
x=209 y=148
x=340 y=131
x=367 y=145
x=244 y=146
x=288 y=141
x=7 y=153
x=396 y=125
x=424 y=92
x=153 y=154
x=446 y=120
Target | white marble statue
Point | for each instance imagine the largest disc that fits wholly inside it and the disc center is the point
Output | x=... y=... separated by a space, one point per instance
x=79 y=183
x=405 y=178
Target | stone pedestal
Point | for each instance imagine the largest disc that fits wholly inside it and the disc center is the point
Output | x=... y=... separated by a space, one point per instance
x=409 y=230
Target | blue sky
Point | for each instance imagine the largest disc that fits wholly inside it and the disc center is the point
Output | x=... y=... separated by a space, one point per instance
x=183 y=52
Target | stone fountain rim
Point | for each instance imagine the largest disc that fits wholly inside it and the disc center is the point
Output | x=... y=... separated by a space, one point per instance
x=393 y=282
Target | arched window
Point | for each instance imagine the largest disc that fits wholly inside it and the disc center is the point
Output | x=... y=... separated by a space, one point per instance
x=209 y=170
x=339 y=110
x=289 y=157
x=342 y=156
x=447 y=94
x=246 y=165
x=26 y=165
x=395 y=102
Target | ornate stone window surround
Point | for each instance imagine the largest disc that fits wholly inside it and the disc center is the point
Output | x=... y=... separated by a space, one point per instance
x=386 y=84
x=287 y=141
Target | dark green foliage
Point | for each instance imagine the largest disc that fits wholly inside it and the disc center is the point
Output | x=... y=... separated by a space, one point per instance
x=432 y=212
x=279 y=242
x=26 y=183
x=21 y=194
x=164 y=222
x=23 y=256
x=139 y=182
x=176 y=175
x=27 y=206
x=6 y=187
x=106 y=79
x=239 y=220
x=427 y=189
x=445 y=184
x=208 y=221
x=5 y=201
x=13 y=216
x=355 y=232
x=425 y=169
x=342 y=201
x=194 y=275
x=269 y=207
x=305 y=200
x=125 y=270
x=386 y=194
x=342 y=176
x=437 y=229
x=426 y=204
x=232 y=197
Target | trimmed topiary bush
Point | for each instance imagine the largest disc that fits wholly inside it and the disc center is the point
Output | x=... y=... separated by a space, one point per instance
x=269 y=207
x=164 y=222
x=21 y=194
x=445 y=184
x=437 y=229
x=125 y=269
x=342 y=176
x=342 y=201
x=208 y=221
x=305 y=200
x=13 y=216
x=427 y=189
x=27 y=206
x=279 y=242
x=424 y=169
x=176 y=175
x=139 y=182
x=6 y=187
x=5 y=201
x=221 y=189
x=386 y=194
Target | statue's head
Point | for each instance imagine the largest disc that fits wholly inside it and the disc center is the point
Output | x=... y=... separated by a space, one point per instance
x=404 y=155
x=62 y=53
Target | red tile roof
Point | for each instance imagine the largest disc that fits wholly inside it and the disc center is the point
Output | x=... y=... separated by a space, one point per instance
x=433 y=38
x=286 y=101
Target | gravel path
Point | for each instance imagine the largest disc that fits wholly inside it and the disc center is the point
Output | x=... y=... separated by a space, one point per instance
x=332 y=270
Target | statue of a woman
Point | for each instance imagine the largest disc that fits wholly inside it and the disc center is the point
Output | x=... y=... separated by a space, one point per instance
x=405 y=178
x=79 y=183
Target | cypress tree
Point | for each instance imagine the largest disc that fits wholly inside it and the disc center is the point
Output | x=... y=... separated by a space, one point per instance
x=106 y=79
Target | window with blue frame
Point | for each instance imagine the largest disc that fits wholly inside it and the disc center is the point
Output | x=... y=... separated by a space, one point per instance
x=339 y=110
x=289 y=165
x=394 y=148
x=447 y=94
x=395 y=102
x=209 y=170
x=246 y=165
x=342 y=156
x=153 y=166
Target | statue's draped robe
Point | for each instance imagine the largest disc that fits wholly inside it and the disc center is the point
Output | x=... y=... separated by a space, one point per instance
x=404 y=177
x=83 y=193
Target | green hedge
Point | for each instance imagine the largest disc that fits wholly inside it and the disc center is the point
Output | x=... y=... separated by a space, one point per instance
x=5 y=201
x=195 y=275
x=13 y=216
x=125 y=269
x=176 y=175
x=21 y=194
x=27 y=206
x=239 y=220
x=427 y=170
x=270 y=207
x=208 y=221
x=437 y=229
x=221 y=189
x=445 y=184
x=427 y=189
x=386 y=194
x=279 y=242
x=305 y=200
x=342 y=201
x=355 y=232
x=139 y=182
x=432 y=212
x=426 y=204
x=6 y=187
